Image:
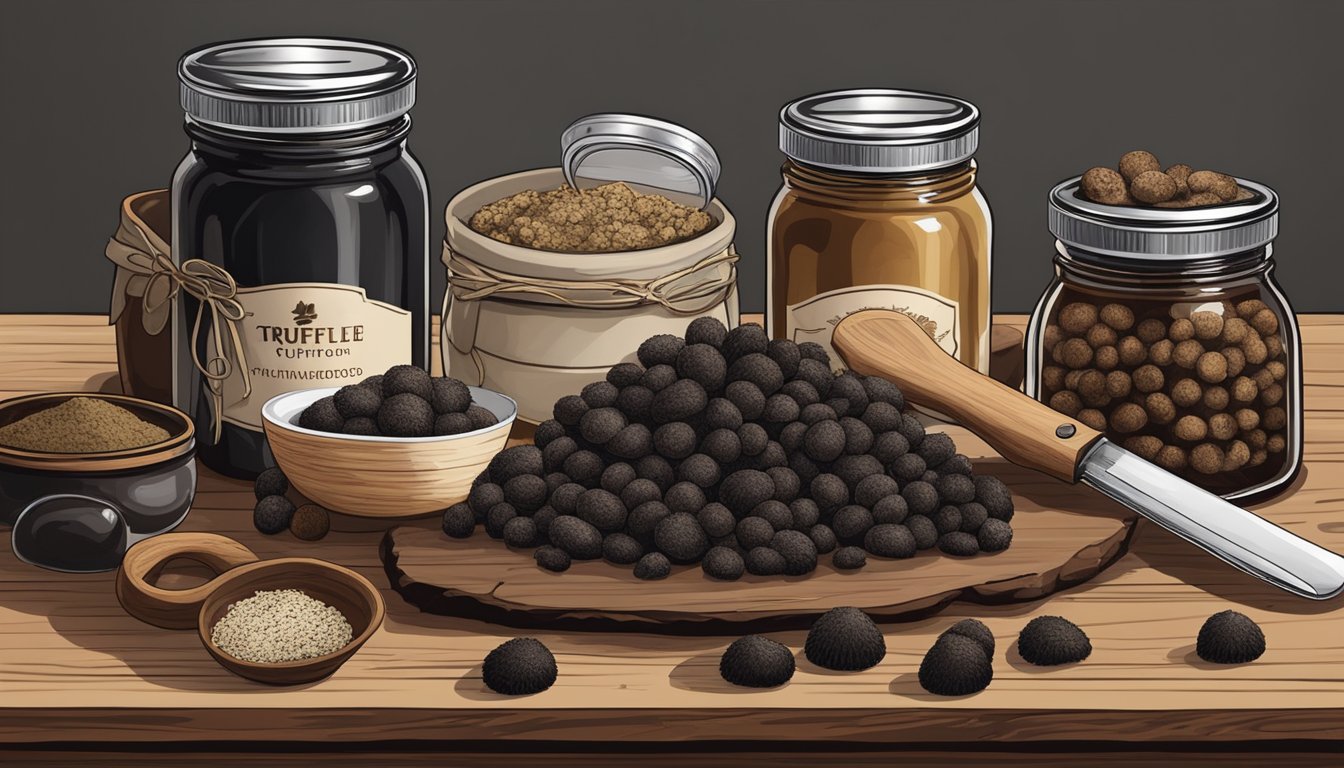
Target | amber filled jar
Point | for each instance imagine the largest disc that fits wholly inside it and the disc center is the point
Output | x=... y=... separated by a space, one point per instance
x=880 y=209
x=1165 y=329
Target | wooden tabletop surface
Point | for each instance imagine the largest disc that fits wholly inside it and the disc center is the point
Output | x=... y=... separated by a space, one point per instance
x=76 y=670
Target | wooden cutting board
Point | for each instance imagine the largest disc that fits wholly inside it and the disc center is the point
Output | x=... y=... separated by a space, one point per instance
x=1063 y=535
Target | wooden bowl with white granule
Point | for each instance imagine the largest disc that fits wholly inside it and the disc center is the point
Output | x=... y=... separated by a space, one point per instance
x=242 y=576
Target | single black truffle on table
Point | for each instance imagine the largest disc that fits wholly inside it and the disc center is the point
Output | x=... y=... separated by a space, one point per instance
x=723 y=563
x=1048 y=641
x=622 y=549
x=577 y=537
x=681 y=538
x=706 y=330
x=890 y=540
x=552 y=558
x=845 y=639
x=764 y=561
x=272 y=514
x=271 y=482
x=995 y=496
x=408 y=379
x=652 y=566
x=956 y=665
x=519 y=667
x=756 y=662
x=959 y=544
x=849 y=558
x=975 y=630
x=994 y=536
x=322 y=416
x=800 y=554
x=449 y=395
x=660 y=350
x=923 y=529
x=1229 y=637
x=459 y=521
x=358 y=400
x=520 y=532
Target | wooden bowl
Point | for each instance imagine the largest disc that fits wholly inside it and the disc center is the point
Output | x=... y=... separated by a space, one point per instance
x=242 y=576
x=382 y=476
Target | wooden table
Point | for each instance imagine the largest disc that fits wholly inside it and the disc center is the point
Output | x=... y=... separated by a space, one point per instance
x=80 y=681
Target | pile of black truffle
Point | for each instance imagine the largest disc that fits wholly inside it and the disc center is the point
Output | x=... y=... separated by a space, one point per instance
x=404 y=402
x=740 y=453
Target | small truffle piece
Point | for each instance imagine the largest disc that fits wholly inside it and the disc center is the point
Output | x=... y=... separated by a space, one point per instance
x=1151 y=330
x=520 y=533
x=959 y=544
x=578 y=537
x=824 y=538
x=908 y=467
x=272 y=514
x=851 y=523
x=924 y=531
x=1207 y=458
x=323 y=416
x=774 y=512
x=890 y=509
x=484 y=497
x=1048 y=641
x=1145 y=446
x=675 y=440
x=271 y=482
x=994 y=494
x=635 y=441
x=684 y=496
x=1118 y=316
x=785 y=354
x=1229 y=637
x=699 y=469
x=311 y=522
x=845 y=639
x=723 y=563
x=956 y=665
x=756 y=662
x=849 y=558
x=1104 y=185
x=946 y=519
x=601 y=509
x=661 y=349
x=408 y=379
x=1190 y=428
x=459 y=521
x=621 y=549
x=499 y=516
x=706 y=330
x=799 y=552
x=805 y=513
x=748 y=398
x=653 y=566
x=759 y=370
x=874 y=488
x=519 y=667
x=1211 y=367
x=889 y=540
x=975 y=630
x=552 y=558
x=481 y=417
x=1149 y=378
x=754 y=532
x=764 y=561
x=444 y=424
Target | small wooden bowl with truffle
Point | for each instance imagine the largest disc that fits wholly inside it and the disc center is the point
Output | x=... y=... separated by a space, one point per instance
x=243 y=576
x=382 y=477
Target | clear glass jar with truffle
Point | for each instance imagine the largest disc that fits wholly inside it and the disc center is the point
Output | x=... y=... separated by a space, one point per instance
x=1165 y=329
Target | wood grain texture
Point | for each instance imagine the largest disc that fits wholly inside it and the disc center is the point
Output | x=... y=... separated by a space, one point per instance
x=1058 y=541
x=74 y=668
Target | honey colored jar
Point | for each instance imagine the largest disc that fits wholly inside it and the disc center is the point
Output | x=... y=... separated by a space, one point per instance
x=880 y=209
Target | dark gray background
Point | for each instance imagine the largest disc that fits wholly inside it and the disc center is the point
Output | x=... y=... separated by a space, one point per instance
x=91 y=110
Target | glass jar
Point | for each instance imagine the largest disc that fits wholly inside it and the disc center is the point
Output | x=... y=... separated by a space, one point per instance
x=1165 y=329
x=300 y=232
x=879 y=209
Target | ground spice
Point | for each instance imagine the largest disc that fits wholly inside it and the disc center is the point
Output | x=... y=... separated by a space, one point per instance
x=612 y=217
x=81 y=425
x=280 y=625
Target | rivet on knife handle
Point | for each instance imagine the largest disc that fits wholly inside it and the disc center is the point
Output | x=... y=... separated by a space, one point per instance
x=889 y=344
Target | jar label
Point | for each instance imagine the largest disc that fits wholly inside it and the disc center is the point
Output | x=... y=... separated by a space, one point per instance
x=816 y=318
x=307 y=335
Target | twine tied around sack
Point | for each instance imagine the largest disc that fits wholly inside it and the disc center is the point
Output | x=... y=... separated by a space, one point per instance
x=215 y=290
x=472 y=281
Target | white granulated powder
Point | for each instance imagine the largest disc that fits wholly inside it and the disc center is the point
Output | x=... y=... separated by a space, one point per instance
x=281 y=625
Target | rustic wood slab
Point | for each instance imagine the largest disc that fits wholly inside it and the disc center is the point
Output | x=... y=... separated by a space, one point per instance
x=1062 y=535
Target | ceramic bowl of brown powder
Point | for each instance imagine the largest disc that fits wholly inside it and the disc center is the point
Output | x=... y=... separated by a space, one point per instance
x=134 y=453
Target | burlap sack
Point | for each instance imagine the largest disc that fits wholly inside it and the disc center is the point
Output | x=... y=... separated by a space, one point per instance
x=144 y=341
x=536 y=325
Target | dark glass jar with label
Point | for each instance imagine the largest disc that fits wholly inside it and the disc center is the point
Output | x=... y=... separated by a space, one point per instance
x=300 y=235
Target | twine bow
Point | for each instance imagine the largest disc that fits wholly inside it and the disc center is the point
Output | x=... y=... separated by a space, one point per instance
x=160 y=281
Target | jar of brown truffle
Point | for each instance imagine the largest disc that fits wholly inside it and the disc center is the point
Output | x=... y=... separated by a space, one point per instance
x=1165 y=329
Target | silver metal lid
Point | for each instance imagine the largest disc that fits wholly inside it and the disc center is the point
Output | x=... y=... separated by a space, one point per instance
x=648 y=154
x=1174 y=234
x=879 y=130
x=296 y=84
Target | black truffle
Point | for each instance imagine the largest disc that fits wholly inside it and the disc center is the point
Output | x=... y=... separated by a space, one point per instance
x=678 y=401
x=633 y=442
x=520 y=532
x=526 y=492
x=373 y=381
x=787 y=483
x=791 y=437
x=449 y=395
x=652 y=566
x=853 y=469
x=756 y=662
x=912 y=429
x=569 y=409
x=720 y=413
x=851 y=523
x=657 y=469
x=577 y=537
x=622 y=549
x=1047 y=641
x=889 y=446
x=599 y=394
x=584 y=467
x=658 y=378
x=684 y=496
x=552 y=558
x=753 y=438
x=802 y=392
x=993 y=535
x=722 y=445
x=823 y=538
x=890 y=509
x=644 y=519
x=754 y=532
x=923 y=529
x=936 y=448
x=616 y=476
x=849 y=558
x=519 y=667
x=272 y=514
x=723 y=563
x=716 y=520
x=565 y=499
x=973 y=517
x=445 y=424
x=675 y=440
x=358 y=400
x=543 y=518
x=483 y=497
x=995 y=496
x=805 y=513
x=908 y=467
x=811 y=350
x=829 y=492
x=744 y=489
x=955 y=489
x=407 y=379
x=518 y=460
x=1229 y=637
x=599 y=425
x=955 y=666
x=322 y=416
x=706 y=330
x=748 y=398
x=858 y=437
x=764 y=561
x=498 y=517
x=920 y=497
x=824 y=441
x=602 y=509
x=459 y=521
x=744 y=340
x=873 y=489
x=959 y=544
x=817 y=374
x=890 y=540
x=704 y=364
x=699 y=469
x=946 y=519
x=975 y=630
x=363 y=425
x=681 y=538
x=635 y=401
x=660 y=350
x=639 y=491
x=959 y=464
x=785 y=354
x=481 y=417
x=774 y=512
x=800 y=554
x=780 y=409
x=845 y=639
x=880 y=390
x=817 y=412
x=271 y=482
x=625 y=374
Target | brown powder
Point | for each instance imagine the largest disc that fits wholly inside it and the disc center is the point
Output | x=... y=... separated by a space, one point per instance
x=81 y=425
x=612 y=217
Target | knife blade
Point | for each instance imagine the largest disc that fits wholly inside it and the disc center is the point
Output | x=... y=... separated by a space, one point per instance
x=1031 y=434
